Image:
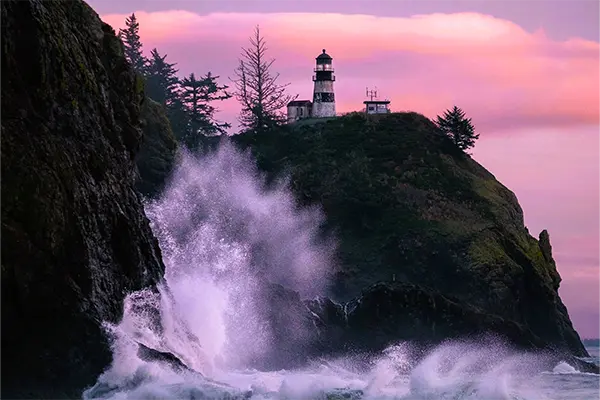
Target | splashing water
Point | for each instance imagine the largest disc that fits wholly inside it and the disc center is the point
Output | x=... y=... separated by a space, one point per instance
x=223 y=236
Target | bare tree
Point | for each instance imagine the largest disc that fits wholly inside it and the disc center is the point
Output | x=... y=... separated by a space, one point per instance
x=261 y=96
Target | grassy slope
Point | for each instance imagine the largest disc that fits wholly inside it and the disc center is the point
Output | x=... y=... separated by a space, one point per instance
x=406 y=204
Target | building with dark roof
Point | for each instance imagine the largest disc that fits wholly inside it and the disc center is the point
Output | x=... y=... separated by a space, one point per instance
x=299 y=109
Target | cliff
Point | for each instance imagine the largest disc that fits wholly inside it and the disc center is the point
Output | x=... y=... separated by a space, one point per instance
x=408 y=206
x=75 y=238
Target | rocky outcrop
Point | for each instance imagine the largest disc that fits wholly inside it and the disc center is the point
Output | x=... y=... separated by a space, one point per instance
x=409 y=206
x=75 y=238
x=389 y=312
x=156 y=157
x=386 y=314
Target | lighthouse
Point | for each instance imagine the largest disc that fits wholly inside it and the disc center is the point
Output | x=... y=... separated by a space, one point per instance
x=323 y=96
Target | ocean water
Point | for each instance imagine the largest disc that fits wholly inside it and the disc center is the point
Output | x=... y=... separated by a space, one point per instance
x=388 y=377
x=451 y=371
x=222 y=232
x=594 y=352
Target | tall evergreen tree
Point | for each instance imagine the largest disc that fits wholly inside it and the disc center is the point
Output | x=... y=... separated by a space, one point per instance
x=163 y=86
x=162 y=81
x=197 y=96
x=178 y=119
x=262 y=98
x=133 y=45
x=457 y=127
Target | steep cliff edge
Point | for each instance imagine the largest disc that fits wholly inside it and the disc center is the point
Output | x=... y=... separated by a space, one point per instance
x=408 y=206
x=75 y=238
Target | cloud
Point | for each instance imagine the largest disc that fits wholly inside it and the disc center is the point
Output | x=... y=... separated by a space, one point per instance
x=500 y=74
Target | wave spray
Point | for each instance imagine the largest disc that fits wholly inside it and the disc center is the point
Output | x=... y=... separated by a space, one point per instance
x=212 y=329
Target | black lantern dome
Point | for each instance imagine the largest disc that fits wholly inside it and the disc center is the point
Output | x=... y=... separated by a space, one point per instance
x=324 y=58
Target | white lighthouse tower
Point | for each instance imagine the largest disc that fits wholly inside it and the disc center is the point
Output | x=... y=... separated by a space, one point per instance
x=323 y=96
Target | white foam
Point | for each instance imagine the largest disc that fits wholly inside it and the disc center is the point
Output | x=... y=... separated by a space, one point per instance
x=451 y=371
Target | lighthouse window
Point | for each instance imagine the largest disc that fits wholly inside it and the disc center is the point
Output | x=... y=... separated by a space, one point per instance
x=327 y=97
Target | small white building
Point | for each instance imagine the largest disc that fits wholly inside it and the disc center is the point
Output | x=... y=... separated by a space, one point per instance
x=377 y=106
x=299 y=109
x=374 y=106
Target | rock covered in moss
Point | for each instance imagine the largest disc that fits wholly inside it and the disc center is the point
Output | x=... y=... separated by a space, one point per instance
x=75 y=238
x=408 y=206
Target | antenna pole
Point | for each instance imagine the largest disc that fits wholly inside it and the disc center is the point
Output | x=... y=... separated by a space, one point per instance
x=371 y=93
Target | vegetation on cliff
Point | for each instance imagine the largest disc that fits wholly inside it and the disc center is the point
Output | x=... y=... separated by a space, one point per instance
x=454 y=124
x=188 y=101
x=158 y=150
x=260 y=95
x=409 y=205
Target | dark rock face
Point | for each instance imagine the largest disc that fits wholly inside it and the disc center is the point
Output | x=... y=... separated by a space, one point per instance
x=156 y=157
x=75 y=238
x=151 y=355
x=408 y=206
x=389 y=312
x=386 y=314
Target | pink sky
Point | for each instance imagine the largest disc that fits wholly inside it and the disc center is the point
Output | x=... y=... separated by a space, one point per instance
x=532 y=93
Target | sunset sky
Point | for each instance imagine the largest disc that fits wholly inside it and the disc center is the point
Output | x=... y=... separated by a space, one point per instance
x=527 y=72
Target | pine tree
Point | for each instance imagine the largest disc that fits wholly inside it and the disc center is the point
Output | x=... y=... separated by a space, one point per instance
x=178 y=119
x=457 y=127
x=261 y=97
x=133 y=45
x=162 y=81
x=197 y=96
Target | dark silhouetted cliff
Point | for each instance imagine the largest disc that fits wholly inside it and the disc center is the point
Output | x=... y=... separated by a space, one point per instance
x=75 y=238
